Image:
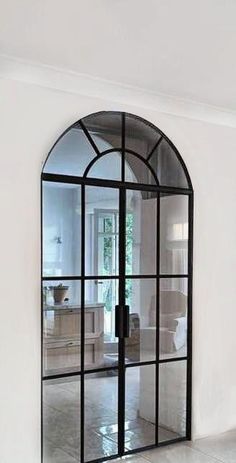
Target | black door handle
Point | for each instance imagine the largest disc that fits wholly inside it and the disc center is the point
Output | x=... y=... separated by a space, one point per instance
x=122 y=321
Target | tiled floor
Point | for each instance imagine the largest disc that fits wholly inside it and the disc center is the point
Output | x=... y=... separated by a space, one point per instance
x=220 y=449
x=62 y=428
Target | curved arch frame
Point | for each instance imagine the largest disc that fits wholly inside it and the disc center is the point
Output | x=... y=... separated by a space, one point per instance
x=85 y=180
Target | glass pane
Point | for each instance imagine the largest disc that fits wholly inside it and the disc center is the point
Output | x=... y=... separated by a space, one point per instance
x=101 y=345
x=140 y=136
x=107 y=167
x=174 y=234
x=61 y=326
x=167 y=166
x=61 y=229
x=101 y=244
x=61 y=420
x=140 y=392
x=136 y=171
x=173 y=317
x=105 y=129
x=141 y=232
x=101 y=414
x=71 y=154
x=172 y=400
x=141 y=298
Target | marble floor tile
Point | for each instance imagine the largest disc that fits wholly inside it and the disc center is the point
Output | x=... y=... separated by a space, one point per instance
x=165 y=435
x=222 y=447
x=177 y=453
x=53 y=454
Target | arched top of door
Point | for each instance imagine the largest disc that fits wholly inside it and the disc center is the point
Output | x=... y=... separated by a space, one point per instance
x=118 y=146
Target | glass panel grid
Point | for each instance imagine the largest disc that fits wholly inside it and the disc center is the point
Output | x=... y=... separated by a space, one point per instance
x=107 y=229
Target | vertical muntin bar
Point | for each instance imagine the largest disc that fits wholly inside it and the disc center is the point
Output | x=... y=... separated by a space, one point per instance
x=82 y=334
x=158 y=218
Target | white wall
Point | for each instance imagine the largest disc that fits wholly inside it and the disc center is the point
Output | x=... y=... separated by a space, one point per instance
x=31 y=118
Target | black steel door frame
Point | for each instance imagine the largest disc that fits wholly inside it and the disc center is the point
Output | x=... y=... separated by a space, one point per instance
x=121 y=277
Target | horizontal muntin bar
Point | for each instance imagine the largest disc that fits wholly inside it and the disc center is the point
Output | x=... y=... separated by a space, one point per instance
x=172 y=275
x=58 y=178
x=78 y=373
x=140 y=364
x=112 y=277
x=174 y=359
x=61 y=375
x=100 y=370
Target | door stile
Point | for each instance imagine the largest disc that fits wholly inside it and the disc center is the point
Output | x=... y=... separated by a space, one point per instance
x=121 y=360
x=82 y=334
x=157 y=314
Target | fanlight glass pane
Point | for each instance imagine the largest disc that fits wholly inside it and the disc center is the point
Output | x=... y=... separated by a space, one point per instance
x=140 y=136
x=167 y=166
x=105 y=129
x=107 y=167
x=71 y=154
x=136 y=171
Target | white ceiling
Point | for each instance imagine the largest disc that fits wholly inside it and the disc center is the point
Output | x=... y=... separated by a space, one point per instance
x=183 y=48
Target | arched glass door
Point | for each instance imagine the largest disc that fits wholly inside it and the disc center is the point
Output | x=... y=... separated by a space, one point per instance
x=117 y=213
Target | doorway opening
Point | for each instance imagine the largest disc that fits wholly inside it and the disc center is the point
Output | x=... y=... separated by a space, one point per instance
x=117 y=234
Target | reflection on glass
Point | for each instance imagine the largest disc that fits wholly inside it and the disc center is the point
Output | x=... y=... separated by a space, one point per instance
x=101 y=345
x=107 y=167
x=173 y=317
x=140 y=392
x=61 y=326
x=140 y=136
x=61 y=420
x=174 y=234
x=101 y=231
x=167 y=166
x=101 y=414
x=71 y=154
x=141 y=236
x=136 y=171
x=61 y=229
x=141 y=298
x=172 y=400
x=105 y=129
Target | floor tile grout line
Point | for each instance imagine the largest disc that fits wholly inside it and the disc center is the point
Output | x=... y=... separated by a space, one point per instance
x=206 y=454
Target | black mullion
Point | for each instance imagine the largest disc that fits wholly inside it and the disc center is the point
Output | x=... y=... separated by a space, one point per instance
x=121 y=362
x=157 y=315
x=123 y=148
x=82 y=322
x=189 y=330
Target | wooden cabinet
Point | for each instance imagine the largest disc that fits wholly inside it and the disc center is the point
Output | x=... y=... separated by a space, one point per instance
x=62 y=340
